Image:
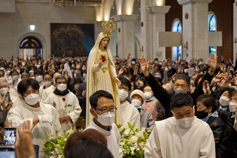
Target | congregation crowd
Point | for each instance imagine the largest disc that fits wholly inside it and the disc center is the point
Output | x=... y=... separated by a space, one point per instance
x=189 y=105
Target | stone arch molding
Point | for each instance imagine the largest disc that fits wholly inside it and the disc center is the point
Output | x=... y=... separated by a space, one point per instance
x=36 y=35
x=124 y=7
x=138 y=42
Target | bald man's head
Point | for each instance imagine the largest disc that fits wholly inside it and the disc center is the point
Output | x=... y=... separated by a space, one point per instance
x=56 y=74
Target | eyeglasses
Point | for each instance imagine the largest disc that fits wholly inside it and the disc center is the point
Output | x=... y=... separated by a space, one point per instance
x=104 y=110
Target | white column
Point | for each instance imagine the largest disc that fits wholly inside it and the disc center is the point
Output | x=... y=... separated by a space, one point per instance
x=125 y=34
x=195 y=28
x=157 y=24
x=145 y=30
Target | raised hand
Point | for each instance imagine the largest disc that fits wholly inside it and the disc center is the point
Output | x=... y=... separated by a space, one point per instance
x=24 y=146
x=121 y=71
x=135 y=72
x=235 y=81
x=3 y=101
x=204 y=87
x=173 y=77
x=151 y=71
x=144 y=66
x=212 y=62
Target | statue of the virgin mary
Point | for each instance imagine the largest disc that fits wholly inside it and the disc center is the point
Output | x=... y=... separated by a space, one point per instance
x=101 y=73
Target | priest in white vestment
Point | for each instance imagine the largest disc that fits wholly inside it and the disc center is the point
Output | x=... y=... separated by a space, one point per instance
x=38 y=74
x=14 y=101
x=66 y=104
x=181 y=136
x=46 y=83
x=44 y=117
x=128 y=112
x=49 y=90
x=103 y=110
x=11 y=91
x=15 y=79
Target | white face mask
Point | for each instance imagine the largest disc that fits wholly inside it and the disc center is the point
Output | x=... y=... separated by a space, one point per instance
x=18 y=71
x=136 y=102
x=185 y=70
x=180 y=90
x=196 y=69
x=4 y=91
x=147 y=95
x=62 y=87
x=122 y=94
x=32 y=99
x=15 y=77
x=141 y=84
x=38 y=66
x=224 y=101
x=8 y=72
x=133 y=62
x=106 y=119
x=158 y=76
x=32 y=77
x=39 y=78
x=200 y=63
x=232 y=106
x=185 y=122
x=31 y=72
x=75 y=75
x=166 y=69
x=47 y=84
x=169 y=88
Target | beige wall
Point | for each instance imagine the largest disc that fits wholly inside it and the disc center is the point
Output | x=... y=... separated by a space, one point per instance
x=15 y=26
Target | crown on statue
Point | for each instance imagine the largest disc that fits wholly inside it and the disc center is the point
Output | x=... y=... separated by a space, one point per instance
x=108 y=26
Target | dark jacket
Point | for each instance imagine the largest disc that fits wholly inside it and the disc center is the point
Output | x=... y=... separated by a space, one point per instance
x=231 y=134
x=218 y=129
x=164 y=97
x=82 y=100
x=161 y=111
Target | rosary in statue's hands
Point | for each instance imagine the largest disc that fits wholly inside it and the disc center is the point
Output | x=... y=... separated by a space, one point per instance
x=117 y=81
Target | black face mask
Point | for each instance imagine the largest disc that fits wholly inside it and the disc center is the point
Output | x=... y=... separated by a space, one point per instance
x=201 y=114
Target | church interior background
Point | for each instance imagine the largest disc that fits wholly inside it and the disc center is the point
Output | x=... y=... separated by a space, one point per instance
x=163 y=29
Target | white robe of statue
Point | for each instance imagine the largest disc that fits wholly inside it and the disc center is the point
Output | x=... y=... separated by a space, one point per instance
x=170 y=140
x=101 y=78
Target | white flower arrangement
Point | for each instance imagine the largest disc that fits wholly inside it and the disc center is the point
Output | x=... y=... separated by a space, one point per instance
x=54 y=146
x=133 y=141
